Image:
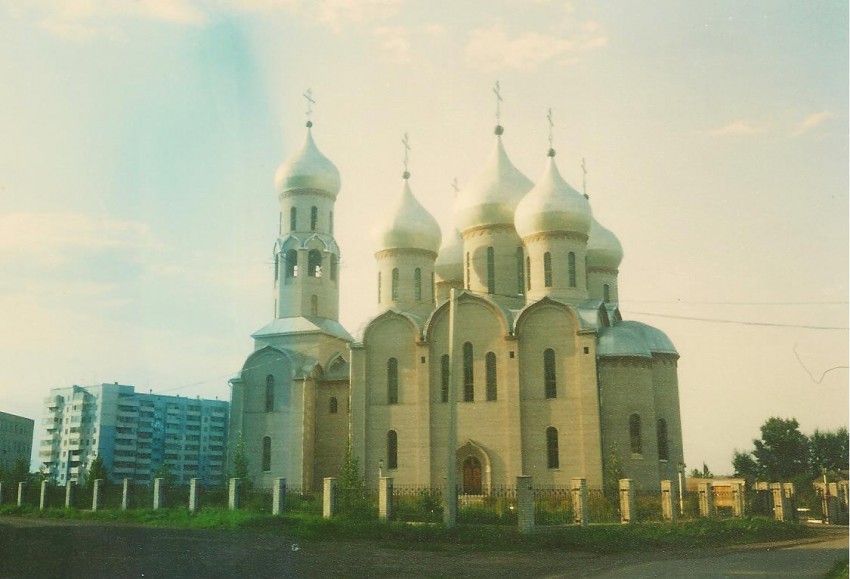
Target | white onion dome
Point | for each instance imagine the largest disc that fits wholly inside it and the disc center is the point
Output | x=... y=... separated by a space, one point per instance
x=307 y=168
x=449 y=263
x=603 y=247
x=492 y=196
x=553 y=205
x=407 y=225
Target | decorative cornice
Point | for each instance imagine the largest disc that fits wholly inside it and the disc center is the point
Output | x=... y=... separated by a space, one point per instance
x=484 y=229
x=546 y=235
x=602 y=269
x=398 y=251
x=296 y=192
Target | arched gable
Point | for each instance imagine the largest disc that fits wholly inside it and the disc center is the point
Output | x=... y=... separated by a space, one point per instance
x=532 y=310
x=255 y=359
x=503 y=316
x=337 y=367
x=375 y=325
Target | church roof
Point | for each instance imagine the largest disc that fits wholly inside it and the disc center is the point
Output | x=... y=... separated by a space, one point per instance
x=603 y=247
x=492 y=196
x=630 y=338
x=303 y=325
x=407 y=225
x=552 y=205
x=449 y=263
x=307 y=168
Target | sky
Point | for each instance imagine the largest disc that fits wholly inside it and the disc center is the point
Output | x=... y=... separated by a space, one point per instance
x=140 y=141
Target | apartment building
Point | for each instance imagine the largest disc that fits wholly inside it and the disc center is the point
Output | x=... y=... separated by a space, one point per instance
x=15 y=440
x=134 y=433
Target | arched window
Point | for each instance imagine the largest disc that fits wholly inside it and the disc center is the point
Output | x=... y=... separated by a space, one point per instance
x=528 y=273
x=290 y=265
x=663 y=448
x=392 y=381
x=314 y=305
x=314 y=218
x=433 y=285
x=267 y=454
x=490 y=372
x=606 y=293
x=547 y=269
x=331 y=222
x=520 y=272
x=277 y=260
x=334 y=262
x=552 y=458
x=379 y=287
x=467 y=276
x=293 y=218
x=269 y=393
x=395 y=285
x=634 y=434
x=392 y=449
x=571 y=264
x=314 y=263
x=491 y=271
x=468 y=383
x=417 y=284
x=444 y=378
x=333 y=405
x=550 y=378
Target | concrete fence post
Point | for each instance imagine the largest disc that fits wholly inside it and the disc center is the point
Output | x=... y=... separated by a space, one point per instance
x=2 y=490
x=70 y=494
x=525 y=504
x=42 y=497
x=97 y=495
x=668 y=501
x=780 y=503
x=234 y=490
x=790 y=495
x=705 y=492
x=194 y=499
x=158 y=493
x=21 y=490
x=449 y=504
x=329 y=498
x=385 y=498
x=125 y=495
x=279 y=496
x=580 y=506
x=627 y=501
x=738 y=498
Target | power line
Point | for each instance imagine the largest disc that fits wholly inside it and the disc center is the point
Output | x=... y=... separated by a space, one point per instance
x=741 y=322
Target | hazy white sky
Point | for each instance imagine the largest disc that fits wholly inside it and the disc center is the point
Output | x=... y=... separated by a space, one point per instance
x=140 y=139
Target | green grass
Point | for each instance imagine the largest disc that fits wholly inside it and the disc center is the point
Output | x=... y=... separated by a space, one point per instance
x=596 y=538
x=839 y=570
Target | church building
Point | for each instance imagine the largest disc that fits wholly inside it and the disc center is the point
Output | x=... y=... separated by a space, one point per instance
x=548 y=379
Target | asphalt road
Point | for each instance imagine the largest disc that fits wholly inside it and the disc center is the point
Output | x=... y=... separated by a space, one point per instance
x=46 y=549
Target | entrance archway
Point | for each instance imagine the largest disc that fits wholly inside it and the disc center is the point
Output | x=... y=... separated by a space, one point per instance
x=472 y=476
x=473 y=469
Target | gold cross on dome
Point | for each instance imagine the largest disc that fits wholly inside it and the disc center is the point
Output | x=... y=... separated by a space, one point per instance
x=583 y=177
x=406 y=144
x=310 y=102
x=497 y=91
x=551 y=125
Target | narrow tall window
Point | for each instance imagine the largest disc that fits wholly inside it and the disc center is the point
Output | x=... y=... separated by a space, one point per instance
x=550 y=378
x=314 y=218
x=290 y=266
x=331 y=222
x=634 y=434
x=433 y=285
x=491 y=271
x=267 y=454
x=528 y=273
x=552 y=458
x=314 y=263
x=571 y=264
x=334 y=263
x=663 y=448
x=490 y=372
x=606 y=293
x=417 y=284
x=293 y=218
x=314 y=305
x=467 y=277
x=379 y=287
x=269 y=393
x=468 y=382
x=520 y=272
x=392 y=449
x=395 y=284
x=547 y=269
x=333 y=405
x=392 y=381
x=277 y=259
x=444 y=378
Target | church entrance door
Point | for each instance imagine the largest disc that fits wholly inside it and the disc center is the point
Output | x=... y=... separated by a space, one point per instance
x=471 y=476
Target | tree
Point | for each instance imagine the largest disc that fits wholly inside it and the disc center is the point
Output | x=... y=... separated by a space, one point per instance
x=613 y=472
x=239 y=467
x=97 y=470
x=704 y=473
x=351 y=494
x=782 y=453
x=828 y=451
x=164 y=472
x=745 y=466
